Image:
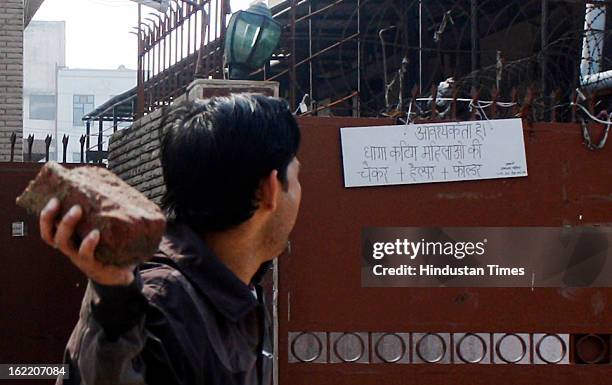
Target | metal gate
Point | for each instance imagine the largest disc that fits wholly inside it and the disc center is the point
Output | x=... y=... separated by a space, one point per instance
x=40 y=291
x=333 y=331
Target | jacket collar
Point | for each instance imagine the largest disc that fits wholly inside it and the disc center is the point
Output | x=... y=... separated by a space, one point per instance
x=201 y=266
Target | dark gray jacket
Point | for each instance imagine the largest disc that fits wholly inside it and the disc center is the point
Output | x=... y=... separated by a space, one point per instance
x=186 y=319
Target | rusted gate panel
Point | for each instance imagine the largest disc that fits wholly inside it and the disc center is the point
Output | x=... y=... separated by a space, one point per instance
x=40 y=291
x=320 y=289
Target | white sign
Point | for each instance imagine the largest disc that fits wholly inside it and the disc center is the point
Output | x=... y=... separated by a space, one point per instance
x=433 y=152
x=160 y=5
x=18 y=229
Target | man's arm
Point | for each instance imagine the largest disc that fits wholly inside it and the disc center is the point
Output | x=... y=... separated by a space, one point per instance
x=123 y=338
x=107 y=342
x=111 y=340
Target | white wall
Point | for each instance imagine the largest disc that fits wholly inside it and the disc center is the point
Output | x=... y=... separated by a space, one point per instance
x=45 y=73
x=102 y=84
x=44 y=51
x=44 y=48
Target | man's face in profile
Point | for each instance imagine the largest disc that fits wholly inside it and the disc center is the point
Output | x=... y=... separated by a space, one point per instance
x=285 y=215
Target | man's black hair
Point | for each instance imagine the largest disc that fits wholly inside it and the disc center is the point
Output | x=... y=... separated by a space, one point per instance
x=216 y=153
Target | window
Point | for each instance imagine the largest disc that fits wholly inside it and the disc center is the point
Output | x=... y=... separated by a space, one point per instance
x=81 y=105
x=42 y=107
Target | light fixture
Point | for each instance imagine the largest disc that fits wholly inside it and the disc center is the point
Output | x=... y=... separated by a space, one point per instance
x=252 y=36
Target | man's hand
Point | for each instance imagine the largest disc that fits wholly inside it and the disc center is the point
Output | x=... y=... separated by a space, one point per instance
x=61 y=237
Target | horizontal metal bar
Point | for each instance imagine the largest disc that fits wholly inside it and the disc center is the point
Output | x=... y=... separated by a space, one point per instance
x=289 y=8
x=353 y=36
x=319 y=11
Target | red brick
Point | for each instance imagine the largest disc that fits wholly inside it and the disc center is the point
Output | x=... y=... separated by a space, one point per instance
x=130 y=225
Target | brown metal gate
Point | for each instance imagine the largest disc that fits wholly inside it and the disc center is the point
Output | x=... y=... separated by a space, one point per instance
x=320 y=297
x=40 y=291
x=325 y=315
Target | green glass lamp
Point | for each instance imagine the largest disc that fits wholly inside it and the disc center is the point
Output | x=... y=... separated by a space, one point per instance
x=252 y=37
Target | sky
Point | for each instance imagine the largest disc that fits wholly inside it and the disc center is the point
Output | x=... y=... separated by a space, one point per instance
x=97 y=31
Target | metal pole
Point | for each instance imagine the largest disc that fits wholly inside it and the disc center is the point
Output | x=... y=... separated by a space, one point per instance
x=56 y=110
x=359 y=58
x=168 y=38
x=175 y=34
x=593 y=38
x=158 y=45
x=293 y=59
x=474 y=35
x=13 y=142
x=225 y=8
x=152 y=53
x=195 y=31
x=30 y=144
x=115 y=121
x=182 y=31
x=204 y=24
x=315 y=55
x=82 y=142
x=420 y=46
x=162 y=42
x=48 y=140
x=543 y=49
x=100 y=133
x=149 y=67
x=65 y=139
x=88 y=134
x=189 y=31
x=310 y=73
x=140 y=97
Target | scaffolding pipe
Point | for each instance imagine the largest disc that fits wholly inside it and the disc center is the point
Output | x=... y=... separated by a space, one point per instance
x=591 y=79
x=597 y=82
x=594 y=33
x=358 y=58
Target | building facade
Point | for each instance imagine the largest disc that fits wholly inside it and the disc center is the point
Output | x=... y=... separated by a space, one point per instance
x=80 y=91
x=44 y=55
x=56 y=97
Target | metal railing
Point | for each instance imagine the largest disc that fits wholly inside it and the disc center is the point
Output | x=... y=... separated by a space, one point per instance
x=346 y=63
x=175 y=47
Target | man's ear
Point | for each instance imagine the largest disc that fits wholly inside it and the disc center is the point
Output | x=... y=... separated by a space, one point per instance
x=269 y=191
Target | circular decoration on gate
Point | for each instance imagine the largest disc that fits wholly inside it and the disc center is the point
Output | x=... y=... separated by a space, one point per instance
x=344 y=347
x=471 y=341
x=591 y=348
x=509 y=343
x=551 y=343
x=390 y=348
x=306 y=347
x=433 y=342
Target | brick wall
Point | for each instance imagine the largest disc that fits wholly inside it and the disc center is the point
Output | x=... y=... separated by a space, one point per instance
x=11 y=77
x=133 y=154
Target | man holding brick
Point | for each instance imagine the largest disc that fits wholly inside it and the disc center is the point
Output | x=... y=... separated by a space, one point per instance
x=193 y=314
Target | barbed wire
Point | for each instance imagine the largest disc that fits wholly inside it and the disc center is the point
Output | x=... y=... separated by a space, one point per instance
x=517 y=46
